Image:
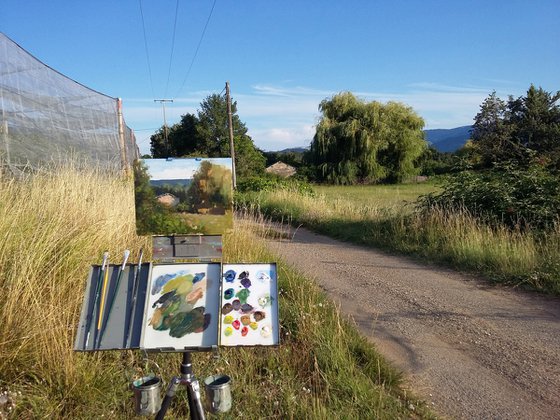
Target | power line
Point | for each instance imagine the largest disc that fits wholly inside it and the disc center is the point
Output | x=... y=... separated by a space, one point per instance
x=146 y=48
x=172 y=46
x=197 y=48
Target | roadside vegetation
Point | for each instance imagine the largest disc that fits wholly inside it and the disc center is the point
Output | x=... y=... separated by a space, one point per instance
x=454 y=238
x=55 y=224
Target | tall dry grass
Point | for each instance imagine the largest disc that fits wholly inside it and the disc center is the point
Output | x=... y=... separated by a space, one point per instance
x=55 y=224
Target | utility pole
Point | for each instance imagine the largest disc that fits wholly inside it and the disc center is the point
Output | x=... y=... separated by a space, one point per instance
x=230 y=125
x=163 y=101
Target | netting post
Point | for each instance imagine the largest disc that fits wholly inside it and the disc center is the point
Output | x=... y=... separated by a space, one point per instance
x=122 y=144
x=4 y=130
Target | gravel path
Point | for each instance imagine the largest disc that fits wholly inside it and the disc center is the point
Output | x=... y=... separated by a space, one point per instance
x=472 y=350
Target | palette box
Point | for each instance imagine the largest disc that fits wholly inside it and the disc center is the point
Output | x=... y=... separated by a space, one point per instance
x=179 y=307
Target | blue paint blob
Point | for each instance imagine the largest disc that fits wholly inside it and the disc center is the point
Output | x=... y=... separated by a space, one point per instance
x=198 y=277
x=229 y=276
x=228 y=294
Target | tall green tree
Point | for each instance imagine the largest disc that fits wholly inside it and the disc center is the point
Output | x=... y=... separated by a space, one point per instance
x=535 y=121
x=520 y=130
x=207 y=134
x=181 y=139
x=366 y=142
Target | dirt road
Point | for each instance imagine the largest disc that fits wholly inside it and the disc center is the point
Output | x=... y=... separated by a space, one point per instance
x=472 y=350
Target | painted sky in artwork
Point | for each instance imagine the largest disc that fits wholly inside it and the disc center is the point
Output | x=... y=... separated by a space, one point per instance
x=180 y=168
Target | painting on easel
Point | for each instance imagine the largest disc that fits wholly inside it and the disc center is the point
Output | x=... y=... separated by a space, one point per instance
x=182 y=307
x=249 y=307
x=183 y=196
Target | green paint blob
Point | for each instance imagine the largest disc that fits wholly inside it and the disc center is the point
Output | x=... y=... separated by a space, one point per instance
x=242 y=295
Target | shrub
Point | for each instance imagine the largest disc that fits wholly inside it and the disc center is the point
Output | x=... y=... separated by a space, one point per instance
x=527 y=197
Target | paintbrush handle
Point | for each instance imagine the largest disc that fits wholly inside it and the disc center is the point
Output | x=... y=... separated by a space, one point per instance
x=103 y=297
x=95 y=299
x=133 y=300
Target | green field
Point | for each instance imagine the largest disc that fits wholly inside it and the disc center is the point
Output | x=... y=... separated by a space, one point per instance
x=376 y=195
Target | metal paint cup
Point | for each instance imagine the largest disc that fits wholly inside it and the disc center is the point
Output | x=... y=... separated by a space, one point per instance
x=218 y=393
x=147 y=399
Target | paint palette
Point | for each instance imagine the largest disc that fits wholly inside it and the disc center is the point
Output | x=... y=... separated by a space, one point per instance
x=182 y=307
x=249 y=305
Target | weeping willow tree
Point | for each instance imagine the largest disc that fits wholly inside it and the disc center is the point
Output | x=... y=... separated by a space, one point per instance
x=366 y=142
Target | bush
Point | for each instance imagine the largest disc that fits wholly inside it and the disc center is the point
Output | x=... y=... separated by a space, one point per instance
x=527 y=197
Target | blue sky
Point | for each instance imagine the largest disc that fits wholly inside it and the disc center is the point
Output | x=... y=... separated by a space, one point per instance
x=282 y=58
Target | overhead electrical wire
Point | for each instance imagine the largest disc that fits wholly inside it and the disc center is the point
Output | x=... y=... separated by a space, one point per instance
x=146 y=48
x=172 y=47
x=197 y=48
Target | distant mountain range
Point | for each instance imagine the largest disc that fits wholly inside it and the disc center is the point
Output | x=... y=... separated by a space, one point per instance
x=171 y=182
x=442 y=139
x=448 y=140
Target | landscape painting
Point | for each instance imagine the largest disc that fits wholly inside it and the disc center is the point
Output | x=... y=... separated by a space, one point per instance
x=249 y=307
x=183 y=196
x=182 y=307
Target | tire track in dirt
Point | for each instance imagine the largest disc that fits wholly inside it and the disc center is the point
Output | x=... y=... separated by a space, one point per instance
x=472 y=350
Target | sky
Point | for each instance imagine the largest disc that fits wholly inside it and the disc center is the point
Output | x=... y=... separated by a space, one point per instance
x=282 y=58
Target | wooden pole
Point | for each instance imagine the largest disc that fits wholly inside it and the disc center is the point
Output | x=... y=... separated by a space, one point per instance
x=231 y=146
x=167 y=148
x=122 y=143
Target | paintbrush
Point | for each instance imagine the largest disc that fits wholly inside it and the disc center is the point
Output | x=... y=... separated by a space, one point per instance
x=103 y=297
x=133 y=301
x=96 y=297
x=115 y=291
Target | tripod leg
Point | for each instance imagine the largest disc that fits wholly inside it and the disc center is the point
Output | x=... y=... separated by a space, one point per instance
x=195 y=402
x=171 y=390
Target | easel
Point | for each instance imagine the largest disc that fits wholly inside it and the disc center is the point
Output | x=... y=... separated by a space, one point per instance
x=179 y=250
x=188 y=380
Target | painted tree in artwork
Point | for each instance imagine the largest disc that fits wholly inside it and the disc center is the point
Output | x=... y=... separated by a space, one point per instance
x=211 y=189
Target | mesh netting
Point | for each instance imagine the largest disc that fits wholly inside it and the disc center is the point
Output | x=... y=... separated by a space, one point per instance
x=46 y=116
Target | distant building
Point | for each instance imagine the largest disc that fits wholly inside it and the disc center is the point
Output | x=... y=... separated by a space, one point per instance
x=168 y=200
x=281 y=169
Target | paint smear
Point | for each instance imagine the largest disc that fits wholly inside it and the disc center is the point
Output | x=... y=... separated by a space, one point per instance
x=259 y=316
x=228 y=294
x=229 y=276
x=243 y=295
